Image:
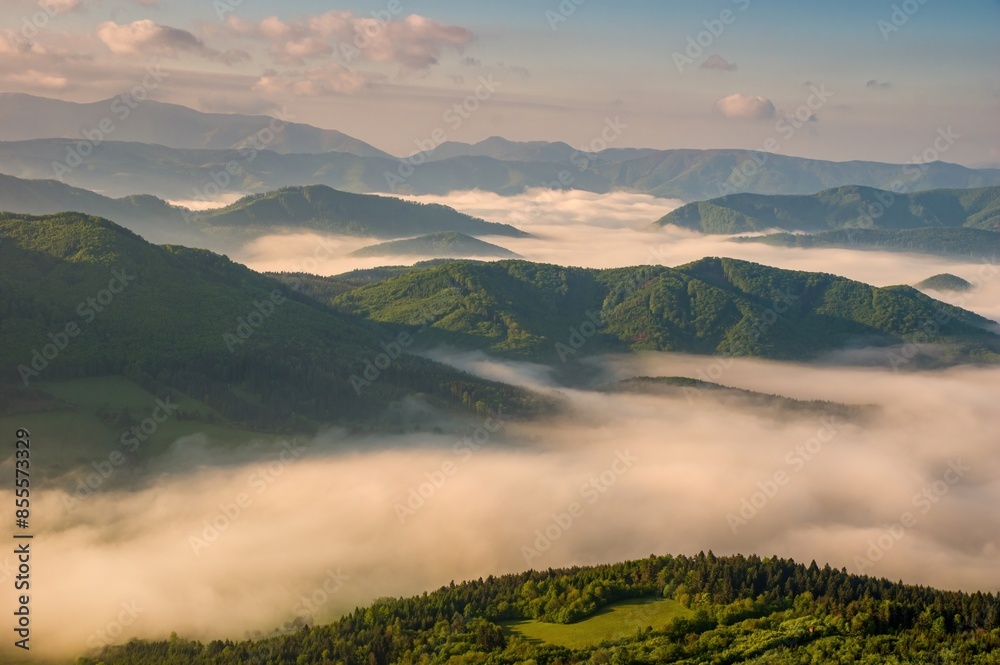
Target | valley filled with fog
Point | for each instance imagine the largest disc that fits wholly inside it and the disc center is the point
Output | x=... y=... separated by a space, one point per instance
x=216 y=540
x=576 y=228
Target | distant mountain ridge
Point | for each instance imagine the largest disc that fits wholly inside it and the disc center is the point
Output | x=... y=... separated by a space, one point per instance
x=147 y=215
x=843 y=207
x=441 y=245
x=326 y=209
x=25 y=116
x=317 y=207
x=961 y=242
x=497 y=147
x=690 y=175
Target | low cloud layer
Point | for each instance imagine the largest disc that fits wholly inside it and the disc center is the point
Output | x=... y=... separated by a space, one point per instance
x=148 y=38
x=219 y=542
x=613 y=230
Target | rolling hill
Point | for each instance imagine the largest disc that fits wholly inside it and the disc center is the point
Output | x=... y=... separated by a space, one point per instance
x=961 y=242
x=318 y=207
x=554 y=314
x=84 y=297
x=685 y=609
x=443 y=245
x=844 y=207
x=147 y=215
x=945 y=282
x=325 y=209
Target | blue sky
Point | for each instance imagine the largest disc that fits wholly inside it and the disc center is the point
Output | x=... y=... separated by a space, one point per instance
x=560 y=70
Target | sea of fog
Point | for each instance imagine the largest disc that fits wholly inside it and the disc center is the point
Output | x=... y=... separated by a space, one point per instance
x=216 y=543
x=585 y=229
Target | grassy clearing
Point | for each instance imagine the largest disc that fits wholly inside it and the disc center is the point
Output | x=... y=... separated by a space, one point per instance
x=612 y=623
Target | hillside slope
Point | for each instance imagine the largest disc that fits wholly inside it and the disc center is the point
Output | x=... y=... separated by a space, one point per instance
x=843 y=207
x=315 y=207
x=323 y=208
x=713 y=306
x=733 y=609
x=965 y=243
x=81 y=296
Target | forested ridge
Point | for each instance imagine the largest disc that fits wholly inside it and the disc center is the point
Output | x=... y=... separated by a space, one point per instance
x=852 y=206
x=552 y=313
x=745 y=609
x=257 y=349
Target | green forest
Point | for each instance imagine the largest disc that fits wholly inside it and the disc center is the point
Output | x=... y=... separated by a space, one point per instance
x=842 y=207
x=556 y=314
x=739 y=610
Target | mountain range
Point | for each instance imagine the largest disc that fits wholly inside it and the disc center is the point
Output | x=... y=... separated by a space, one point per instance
x=963 y=243
x=555 y=314
x=81 y=296
x=316 y=207
x=181 y=154
x=148 y=121
x=117 y=168
x=853 y=206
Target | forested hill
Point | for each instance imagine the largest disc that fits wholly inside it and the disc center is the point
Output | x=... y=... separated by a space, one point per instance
x=965 y=243
x=326 y=209
x=726 y=610
x=843 y=207
x=81 y=296
x=445 y=244
x=552 y=313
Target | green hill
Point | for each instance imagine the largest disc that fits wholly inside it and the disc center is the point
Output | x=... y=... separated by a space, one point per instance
x=442 y=245
x=844 y=207
x=662 y=609
x=763 y=403
x=945 y=282
x=325 y=209
x=552 y=313
x=317 y=207
x=83 y=297
x=146 y=215
x=326 y=289
x=966 y=243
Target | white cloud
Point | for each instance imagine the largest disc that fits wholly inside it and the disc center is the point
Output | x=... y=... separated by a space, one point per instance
x=331 y=78
x=146 y=37
x=746 y=107
x=414 y=42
